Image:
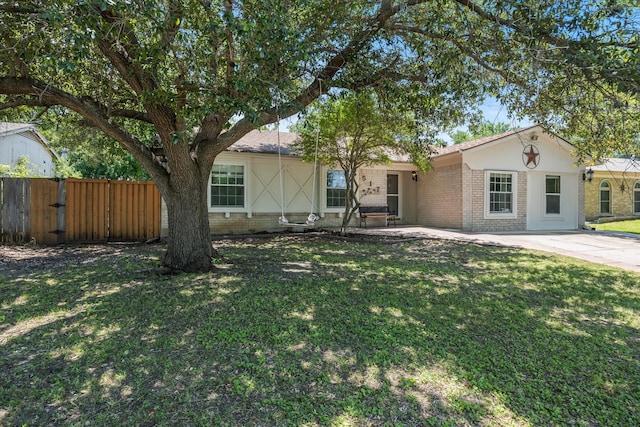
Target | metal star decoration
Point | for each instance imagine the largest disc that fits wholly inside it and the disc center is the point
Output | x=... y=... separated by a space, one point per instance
x=530 y=156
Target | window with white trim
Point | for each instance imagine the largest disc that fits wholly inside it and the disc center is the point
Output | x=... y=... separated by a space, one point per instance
x=227 y=186
x=552 y=194
x=636 y=198
x=500 y=192
x=605 y=197
x=336 y=189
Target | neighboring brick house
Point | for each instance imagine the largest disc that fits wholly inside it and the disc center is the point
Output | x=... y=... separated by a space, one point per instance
x=614 y=190
x=524 y=179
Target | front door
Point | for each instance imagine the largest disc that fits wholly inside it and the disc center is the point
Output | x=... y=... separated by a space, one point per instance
x=393 y=194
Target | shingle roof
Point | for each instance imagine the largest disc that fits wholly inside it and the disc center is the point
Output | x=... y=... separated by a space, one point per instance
x=478 y=142
x=619 y=165
x=266 y=141
x=6 y=127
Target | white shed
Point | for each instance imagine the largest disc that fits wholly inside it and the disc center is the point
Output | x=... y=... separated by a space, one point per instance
x=23 y=140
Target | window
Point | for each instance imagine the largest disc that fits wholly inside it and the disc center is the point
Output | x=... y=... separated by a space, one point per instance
x=500 y=198
x=636 y=198
x=227 y=186
x=336 y=189
x=552 y=194
x=500 y=193
x=605 y=198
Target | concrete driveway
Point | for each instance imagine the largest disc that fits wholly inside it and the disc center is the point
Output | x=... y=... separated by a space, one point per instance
x=620 y=250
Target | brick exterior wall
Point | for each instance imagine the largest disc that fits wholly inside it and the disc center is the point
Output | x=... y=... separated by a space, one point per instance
x=621 y=201
x=474 y=206
x=462 y=204
x=239 y=223
x=439 y=201
x=266 y=222
x=372 y=190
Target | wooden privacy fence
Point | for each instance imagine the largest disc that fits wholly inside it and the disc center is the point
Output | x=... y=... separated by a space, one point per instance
x=77 y=210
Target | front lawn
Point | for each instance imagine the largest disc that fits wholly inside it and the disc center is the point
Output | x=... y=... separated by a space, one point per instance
x=304 y=330
x=629 y=226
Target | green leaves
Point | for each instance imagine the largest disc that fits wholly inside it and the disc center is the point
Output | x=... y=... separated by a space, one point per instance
x=440 y=58
x=235 y=65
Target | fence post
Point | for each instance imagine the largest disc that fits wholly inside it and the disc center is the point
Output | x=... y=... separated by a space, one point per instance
x=62 y=203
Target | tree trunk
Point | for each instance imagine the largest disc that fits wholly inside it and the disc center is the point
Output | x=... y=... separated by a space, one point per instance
x=351 y=200
x=189 y=247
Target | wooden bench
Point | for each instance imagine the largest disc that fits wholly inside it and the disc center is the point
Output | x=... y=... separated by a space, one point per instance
x=376 y=212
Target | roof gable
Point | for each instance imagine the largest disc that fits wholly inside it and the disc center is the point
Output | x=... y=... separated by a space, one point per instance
x=26 y=130
x=495 y=139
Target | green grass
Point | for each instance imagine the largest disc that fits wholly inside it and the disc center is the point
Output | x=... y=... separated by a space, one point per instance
x=308 y=331
x=630 y=226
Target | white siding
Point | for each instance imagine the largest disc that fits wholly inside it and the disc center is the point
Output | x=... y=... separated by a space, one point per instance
x=14 y=146
x=537 y=219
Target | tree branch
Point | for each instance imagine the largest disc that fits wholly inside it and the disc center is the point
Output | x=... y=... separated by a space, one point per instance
x=323 y=81
x=131 y=114
x=15 y=9
x=172 y=24
x=92 y=112
x=544 y=36
x=122 y=53
x=24 y=102
x=231 y=64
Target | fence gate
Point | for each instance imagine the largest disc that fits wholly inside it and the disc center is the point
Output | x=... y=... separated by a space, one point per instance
x=100 y=210
x=77 y=210
x=134 y=210
x=86 y=210
x=14 y=210
x=47 y=211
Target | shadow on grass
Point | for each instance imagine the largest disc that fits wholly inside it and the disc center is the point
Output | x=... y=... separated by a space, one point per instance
x=305 y=331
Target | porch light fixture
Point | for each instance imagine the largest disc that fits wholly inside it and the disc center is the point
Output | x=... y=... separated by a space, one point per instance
x=588 y=175
x=414 y=176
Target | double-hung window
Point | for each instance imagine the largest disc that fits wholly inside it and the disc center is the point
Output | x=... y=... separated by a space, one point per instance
x=336 y=189
x=500 y=196
x=500 y=193
x=636 y=198
x=227 y=186
x=552 y=194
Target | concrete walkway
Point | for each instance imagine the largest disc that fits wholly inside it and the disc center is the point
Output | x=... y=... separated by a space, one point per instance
x=620 y=250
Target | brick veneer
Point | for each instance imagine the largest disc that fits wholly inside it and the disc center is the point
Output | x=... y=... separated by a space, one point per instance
x=621 y=201
x=474 y=207
x=439 y=201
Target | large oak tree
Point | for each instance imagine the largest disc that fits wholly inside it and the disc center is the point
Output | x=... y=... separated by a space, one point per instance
x=198 y=75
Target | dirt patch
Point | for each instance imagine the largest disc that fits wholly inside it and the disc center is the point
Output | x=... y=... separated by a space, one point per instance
x=371 y=238
x=18 y=260
x=363 y=237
